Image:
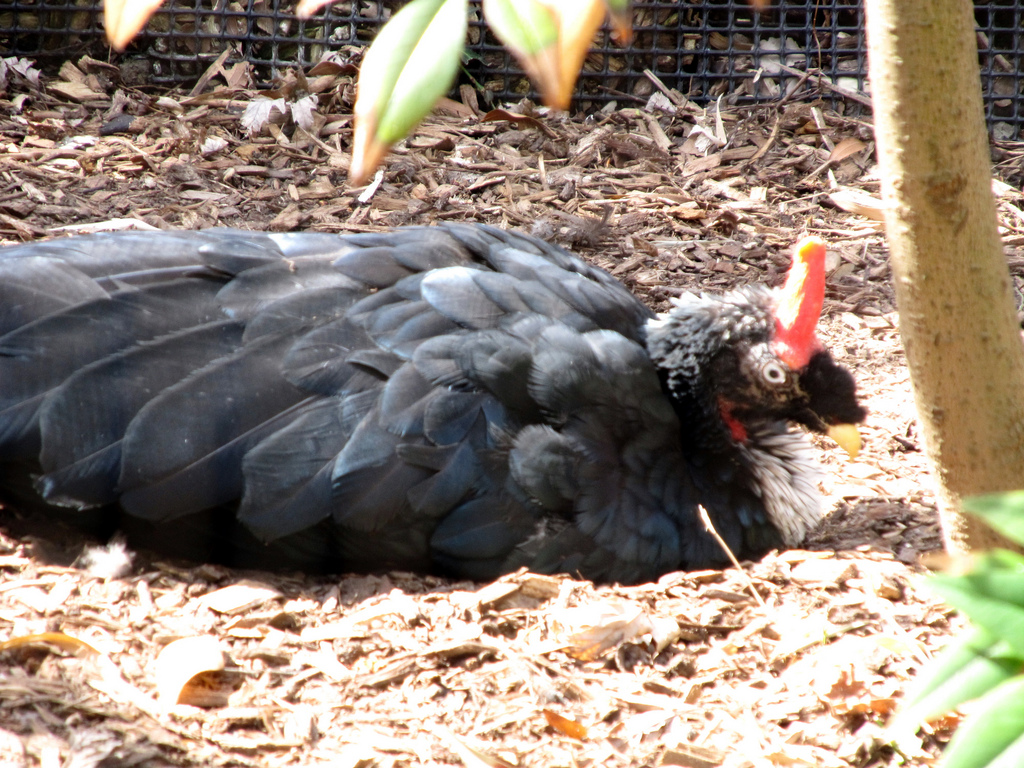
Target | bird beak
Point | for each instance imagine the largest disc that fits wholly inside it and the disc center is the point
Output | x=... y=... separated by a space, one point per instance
x=847 y=437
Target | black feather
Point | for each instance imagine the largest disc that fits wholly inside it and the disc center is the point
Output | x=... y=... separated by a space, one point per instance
x=457 y=399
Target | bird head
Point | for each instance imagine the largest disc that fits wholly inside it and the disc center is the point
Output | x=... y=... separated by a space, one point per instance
x=751 y=357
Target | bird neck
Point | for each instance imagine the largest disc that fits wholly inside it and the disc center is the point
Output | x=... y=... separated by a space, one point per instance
x=777 y=464
x=783 y=466
x=683 y=344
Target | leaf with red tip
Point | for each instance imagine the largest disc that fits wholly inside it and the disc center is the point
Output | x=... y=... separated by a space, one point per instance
x=525 y=27
x=410 y=65
x=621 y=14
x=550 y=38
x=124 y=19
x=529 y=29
x=307 y=8
x=578 y=22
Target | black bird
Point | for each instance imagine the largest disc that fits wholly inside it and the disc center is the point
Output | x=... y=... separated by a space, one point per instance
x=455 y=399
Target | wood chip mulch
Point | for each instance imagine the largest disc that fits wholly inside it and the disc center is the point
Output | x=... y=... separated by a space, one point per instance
x=795 y=660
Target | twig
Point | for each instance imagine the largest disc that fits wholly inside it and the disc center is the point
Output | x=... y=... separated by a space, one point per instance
x=857 y=96
x=728 y=553
x=678 y=99
x=768 y=144
x=211 y=72
x=795 y=89
x=674 y=96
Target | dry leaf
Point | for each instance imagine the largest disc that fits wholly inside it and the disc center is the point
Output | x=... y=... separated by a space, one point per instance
x=110 y=225
x=564 y=725
x=50 y=640
x=258 y=112
x=884 y=707
x=828 y=572
x=603 y=627
x=470 y=756
x=239 y=597
x=77 y=92
x=1002 y=189
x=334 y=68
x=859 y=202
x=846 y=685
x=693 y=756
x=182 y=672
x=520 y=120
x=845 y=148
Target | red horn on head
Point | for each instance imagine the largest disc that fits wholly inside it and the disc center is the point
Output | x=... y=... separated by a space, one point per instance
x=799 y=304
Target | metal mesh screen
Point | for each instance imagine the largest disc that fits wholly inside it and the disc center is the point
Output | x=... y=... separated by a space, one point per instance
x=1002 y=64
x=703 y=48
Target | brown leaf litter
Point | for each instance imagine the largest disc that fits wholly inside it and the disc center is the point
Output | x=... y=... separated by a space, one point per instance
x=400 y=669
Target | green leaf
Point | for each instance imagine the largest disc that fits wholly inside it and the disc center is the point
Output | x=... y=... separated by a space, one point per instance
x=525 y=27
x=1011 y=757
x=1001 y=619
x=995 y=578
x=411 y=64
x=1003 y=511
x=998 y=574
x=995 y=725
x=968 y=667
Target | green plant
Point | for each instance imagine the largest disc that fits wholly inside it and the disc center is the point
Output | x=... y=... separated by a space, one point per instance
x=412 y=62
x=985 y=666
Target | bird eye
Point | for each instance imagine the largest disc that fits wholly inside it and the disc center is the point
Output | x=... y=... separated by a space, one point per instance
x=773 y=373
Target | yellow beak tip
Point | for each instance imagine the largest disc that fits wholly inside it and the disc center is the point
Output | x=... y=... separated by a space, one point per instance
x=847 y=437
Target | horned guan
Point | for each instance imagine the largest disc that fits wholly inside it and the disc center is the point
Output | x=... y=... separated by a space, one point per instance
x=454 y=399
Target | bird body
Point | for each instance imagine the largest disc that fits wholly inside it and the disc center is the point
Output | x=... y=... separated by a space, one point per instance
x=455 y=399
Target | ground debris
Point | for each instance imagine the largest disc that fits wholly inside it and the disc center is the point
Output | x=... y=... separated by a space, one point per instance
x=402 y=670
x=686 y=669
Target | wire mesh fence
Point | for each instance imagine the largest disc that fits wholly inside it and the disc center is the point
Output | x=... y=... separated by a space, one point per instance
x=705 y=49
